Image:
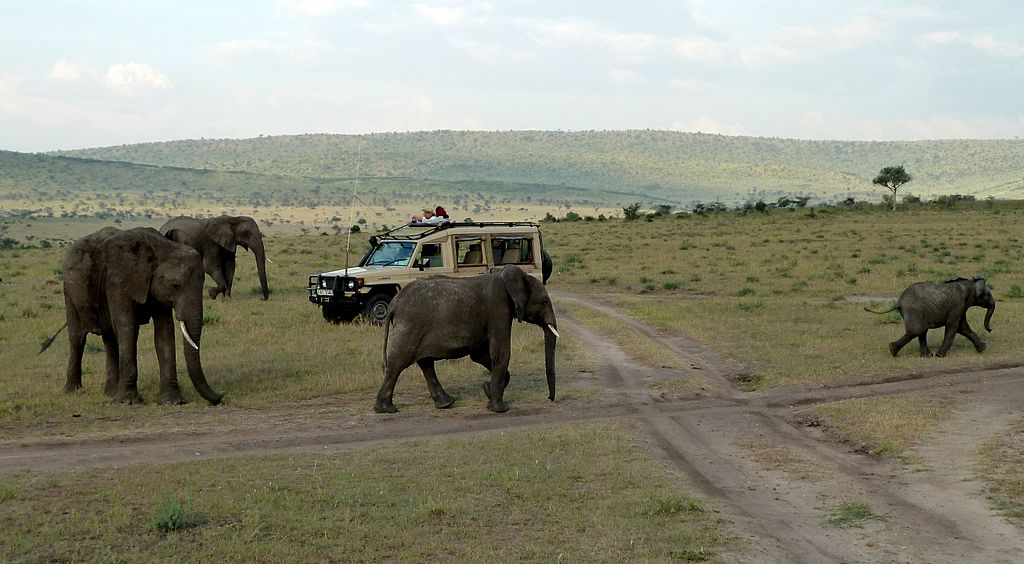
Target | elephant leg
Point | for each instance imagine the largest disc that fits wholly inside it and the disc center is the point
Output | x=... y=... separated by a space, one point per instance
x=966 y=331
x=212 y=266
x=76 y=342
x=113 y=363
x=895 y=346
x=393 y=369
x=441 y=398
x=128 y=366
x=228 y=265
x=947 y=339
x=499 y=368
x=483 y=358
x=922 y=340
x=163 y=341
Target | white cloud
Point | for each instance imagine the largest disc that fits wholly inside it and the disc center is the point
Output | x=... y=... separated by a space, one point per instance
x=768 y=54
x=321 y=7
x=844 y=36
x=688 y=84
x=66 y=70
x=443 y=15
x=133 y=78
x=623 y=76
x=291 y=49
x=586 y=33
x=698 y=48
x=983 y=43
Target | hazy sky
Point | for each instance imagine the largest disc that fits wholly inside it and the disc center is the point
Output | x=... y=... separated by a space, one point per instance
x=87 y=73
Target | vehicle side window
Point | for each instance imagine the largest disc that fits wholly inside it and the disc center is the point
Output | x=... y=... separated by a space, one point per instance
x=430 y=256
x=512 y=250
x=469 y=251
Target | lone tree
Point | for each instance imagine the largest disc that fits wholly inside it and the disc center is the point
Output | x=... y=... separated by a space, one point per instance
x=892 y=177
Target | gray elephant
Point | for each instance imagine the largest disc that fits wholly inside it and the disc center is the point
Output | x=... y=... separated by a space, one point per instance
x=439 y=317
x=927 y=305
x=115 y=281
x=217 y=239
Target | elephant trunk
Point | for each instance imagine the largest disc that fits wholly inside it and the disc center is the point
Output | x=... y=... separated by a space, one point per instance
x=195 y=367
x=988 y=316
x=261 y=266
x=550 y=338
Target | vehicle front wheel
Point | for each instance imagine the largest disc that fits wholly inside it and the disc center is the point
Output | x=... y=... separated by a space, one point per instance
x=376 y=308
x=338 y=314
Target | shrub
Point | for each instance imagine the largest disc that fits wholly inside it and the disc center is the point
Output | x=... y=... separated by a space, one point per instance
x=632 y=211
x=173 y=515
x=573 y=216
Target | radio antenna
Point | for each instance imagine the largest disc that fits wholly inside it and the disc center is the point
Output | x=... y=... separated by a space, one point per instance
x=351 y=205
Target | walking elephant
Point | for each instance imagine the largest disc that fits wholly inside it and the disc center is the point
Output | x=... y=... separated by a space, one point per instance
x=439 y=317
x=217 y=239
x=115 y=281
x=927 y=305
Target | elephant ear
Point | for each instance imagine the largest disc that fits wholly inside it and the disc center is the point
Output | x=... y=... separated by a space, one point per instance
x=221 y=232
x=517 y=287
x=176 y=235
x=979 y=285
x=129 y=267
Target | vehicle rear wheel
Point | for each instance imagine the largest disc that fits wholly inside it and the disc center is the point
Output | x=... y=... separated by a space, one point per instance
x=338 y=314
x=376 y=308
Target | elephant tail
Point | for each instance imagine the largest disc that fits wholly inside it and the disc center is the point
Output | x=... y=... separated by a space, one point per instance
x=49 y=341
x=895 y=307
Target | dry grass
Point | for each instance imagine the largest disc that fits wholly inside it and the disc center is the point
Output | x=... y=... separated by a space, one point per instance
x=1001 y=469
x=783 y=293
x=257 y=353
x=884 y=426
x=575 y=493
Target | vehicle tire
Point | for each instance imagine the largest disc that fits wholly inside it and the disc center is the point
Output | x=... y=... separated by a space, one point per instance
x=376 y=308
x=338 y=314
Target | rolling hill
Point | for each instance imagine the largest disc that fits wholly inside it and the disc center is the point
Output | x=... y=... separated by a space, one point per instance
x=659 y=165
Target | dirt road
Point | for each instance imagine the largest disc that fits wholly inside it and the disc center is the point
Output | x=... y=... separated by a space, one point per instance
x=743 y=451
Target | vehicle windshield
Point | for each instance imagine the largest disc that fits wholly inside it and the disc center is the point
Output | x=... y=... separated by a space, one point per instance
x=391 y=253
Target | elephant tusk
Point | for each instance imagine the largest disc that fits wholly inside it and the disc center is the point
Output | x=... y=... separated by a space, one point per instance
x=553 y=330
x=187 y=338
x=270 y=261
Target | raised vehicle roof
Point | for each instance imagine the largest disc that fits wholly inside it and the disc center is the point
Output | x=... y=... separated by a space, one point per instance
x=414 y=231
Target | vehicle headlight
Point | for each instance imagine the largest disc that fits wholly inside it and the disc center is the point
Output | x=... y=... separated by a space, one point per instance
x=323 y=283
x=351 y=285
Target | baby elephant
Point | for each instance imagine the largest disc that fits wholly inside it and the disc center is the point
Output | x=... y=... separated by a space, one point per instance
x=926 y=305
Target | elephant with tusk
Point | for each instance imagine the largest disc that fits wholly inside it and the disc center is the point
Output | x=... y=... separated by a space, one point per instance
x=927 y=305
x=439 y=317
x=115 y=281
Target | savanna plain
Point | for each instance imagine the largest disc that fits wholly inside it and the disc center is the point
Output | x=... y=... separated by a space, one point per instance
x=769 y=307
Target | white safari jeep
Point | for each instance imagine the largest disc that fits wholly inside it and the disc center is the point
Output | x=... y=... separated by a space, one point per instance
x=412 y=251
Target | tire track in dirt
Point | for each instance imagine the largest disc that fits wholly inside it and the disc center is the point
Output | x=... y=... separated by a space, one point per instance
x=930 y=517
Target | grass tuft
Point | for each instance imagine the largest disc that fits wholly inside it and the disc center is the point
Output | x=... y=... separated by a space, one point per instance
x=174 y=515
x=851 y=514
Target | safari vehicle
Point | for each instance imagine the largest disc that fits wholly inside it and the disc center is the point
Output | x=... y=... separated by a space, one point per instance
x=403 y=254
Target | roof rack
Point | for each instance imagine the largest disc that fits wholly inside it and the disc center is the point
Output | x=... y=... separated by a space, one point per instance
x=414 y=231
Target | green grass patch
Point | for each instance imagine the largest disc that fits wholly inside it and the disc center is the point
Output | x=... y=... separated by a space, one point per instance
x=851 y=514
x=580 y=493
x=173 y=514
x=884 y=425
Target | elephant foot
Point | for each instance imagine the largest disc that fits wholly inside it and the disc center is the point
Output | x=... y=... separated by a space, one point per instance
x=926 y=354
x=170 y=398
x=444 y=401
x=981 y=347
x=213 y=293
x=131 y=398
x=110 y=389
x=892 y=349
x=72 y=387
x=384 y=406
x=940 y=354
x=497 y=406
